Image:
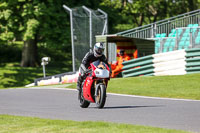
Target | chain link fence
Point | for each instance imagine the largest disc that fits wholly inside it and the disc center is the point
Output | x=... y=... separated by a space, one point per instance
x=85 y=25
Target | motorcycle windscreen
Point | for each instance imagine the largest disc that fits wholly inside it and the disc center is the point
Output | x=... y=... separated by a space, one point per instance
x=101 y=69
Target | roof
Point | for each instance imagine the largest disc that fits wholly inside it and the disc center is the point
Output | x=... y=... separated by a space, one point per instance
x=118 y=38
x=144 y=46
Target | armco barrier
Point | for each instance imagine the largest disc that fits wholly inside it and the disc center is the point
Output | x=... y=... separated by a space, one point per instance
x=136 y=64
x=193 y=60
x=138 y=60
x=142 y=70
x=68 y=77
x=170 y=63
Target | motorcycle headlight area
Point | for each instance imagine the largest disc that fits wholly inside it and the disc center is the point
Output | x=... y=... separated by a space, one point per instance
x=101 y=73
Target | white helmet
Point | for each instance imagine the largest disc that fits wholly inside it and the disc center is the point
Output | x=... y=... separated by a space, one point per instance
x=98 y=49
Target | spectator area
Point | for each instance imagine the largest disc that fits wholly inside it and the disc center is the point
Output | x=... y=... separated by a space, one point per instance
x=185 y=37
x=175 y=33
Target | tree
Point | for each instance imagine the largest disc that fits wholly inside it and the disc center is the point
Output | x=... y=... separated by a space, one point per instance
x=134 y=13
x=45 y=23
x=33 y=22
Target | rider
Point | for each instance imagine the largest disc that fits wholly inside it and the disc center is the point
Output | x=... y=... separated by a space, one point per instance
x=96 y=54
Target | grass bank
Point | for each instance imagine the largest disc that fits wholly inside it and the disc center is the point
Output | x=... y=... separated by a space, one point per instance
x=12 y=75
x=181 y=86
x=18 y=124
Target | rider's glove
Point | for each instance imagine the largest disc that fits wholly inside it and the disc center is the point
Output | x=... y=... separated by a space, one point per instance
x=86 y=72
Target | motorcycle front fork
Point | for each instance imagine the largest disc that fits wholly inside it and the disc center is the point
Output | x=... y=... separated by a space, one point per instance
x=96 y=86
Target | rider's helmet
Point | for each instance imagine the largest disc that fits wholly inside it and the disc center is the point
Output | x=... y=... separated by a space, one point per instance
x=98 y=49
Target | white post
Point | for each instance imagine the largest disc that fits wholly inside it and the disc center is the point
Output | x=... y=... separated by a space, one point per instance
x=45 y=61
x=90 y=12
x=105 y=29
x=44 y=70
x=191 y=38
x=72 y=36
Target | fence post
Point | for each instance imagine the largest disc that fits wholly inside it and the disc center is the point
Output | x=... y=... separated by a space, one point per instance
x=90 y=24
x=176 y=45
x=152 y=31
x=72 y=36
x=191 y=42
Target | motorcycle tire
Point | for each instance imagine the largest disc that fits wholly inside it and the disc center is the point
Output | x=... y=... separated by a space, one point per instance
x=83 y=102
x=100 y=98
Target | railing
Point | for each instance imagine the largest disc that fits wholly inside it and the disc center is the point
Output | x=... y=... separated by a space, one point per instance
x=163 y=26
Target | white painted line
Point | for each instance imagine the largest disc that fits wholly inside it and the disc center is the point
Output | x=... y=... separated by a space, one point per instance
x=45 y=88
x=148 y=97
x=115 y=94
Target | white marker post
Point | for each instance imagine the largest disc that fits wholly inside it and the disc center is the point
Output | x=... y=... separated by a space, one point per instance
x=45 y=61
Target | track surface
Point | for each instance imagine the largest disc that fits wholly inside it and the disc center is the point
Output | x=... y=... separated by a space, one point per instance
x=63 y=104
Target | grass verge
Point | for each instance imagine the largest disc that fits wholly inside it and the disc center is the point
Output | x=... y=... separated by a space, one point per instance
x=181 y=86
x=18 y=124
x=11 y=75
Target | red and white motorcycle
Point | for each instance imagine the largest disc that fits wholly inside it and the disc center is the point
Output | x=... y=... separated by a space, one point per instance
x=93 y=89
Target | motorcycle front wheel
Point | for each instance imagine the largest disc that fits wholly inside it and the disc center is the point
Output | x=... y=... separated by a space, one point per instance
x=100 y=97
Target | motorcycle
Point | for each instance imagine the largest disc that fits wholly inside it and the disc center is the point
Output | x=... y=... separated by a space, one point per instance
x=93 y=89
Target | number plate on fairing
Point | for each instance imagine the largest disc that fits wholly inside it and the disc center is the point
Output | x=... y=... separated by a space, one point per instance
x=101 y=73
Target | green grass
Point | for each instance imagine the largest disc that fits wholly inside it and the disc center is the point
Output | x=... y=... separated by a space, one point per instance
x=18 y=124
x=182 y=86
x=11 y=75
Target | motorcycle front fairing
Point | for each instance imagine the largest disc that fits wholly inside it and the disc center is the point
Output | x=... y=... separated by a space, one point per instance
x=87 y=88
x=100 y=70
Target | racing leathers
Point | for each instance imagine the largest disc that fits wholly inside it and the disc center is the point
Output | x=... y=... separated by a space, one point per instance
x=89 y=58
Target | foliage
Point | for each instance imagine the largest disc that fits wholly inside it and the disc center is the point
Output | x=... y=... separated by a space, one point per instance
x=37 y=20
x=48 y=24
x=24 y=19
x=142 y=12
x=10 y=53
x=32 y=25
x=18 y=124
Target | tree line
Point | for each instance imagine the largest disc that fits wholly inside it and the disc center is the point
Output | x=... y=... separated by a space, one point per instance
x=44 y=23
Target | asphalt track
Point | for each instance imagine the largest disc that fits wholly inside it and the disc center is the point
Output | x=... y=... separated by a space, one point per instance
x=63 y=104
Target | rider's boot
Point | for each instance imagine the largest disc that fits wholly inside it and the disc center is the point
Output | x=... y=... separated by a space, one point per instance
x=79 y=91
x=79 y=82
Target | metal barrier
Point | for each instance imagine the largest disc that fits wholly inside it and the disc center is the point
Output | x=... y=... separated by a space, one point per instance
x=193 y=60
x=138 y=62
x=68 y=77
x=177 y=62
x=163 y=26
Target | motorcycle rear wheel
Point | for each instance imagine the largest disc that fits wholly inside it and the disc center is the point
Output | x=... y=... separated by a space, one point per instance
x=100 y=98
